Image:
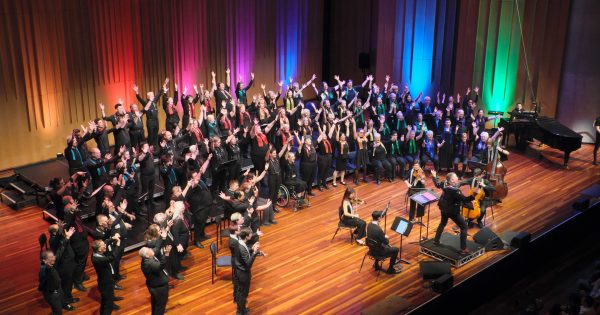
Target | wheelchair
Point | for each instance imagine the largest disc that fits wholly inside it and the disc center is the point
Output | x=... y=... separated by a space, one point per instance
x=285 y=195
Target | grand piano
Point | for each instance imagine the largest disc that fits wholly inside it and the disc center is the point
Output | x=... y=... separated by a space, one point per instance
x=545 y=129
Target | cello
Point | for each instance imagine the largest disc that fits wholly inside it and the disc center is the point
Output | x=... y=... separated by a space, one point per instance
x=475 y=212
x=496 y=171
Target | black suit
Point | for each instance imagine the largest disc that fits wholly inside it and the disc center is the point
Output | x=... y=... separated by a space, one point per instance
x=450 y=204
x=106 y=282
x=65 y=264
x=79 y=243
x=50 y=282
x=379 y=245
x=233 y=248
x=242 y=265
x=157 y=281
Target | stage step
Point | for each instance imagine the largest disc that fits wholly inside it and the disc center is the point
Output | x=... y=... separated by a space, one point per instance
x=16 y=199
x=22 y=187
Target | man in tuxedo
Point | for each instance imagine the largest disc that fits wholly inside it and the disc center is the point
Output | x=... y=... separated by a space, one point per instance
x=101 y=259
x=242 y=265
x=450 y=204
x=49 y=278
x=379 y=244
x=65 y=262
x=234 y=231
x=157 y=278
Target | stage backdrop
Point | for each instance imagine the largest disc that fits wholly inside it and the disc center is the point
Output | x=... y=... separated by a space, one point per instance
x=60 y=58
x=450 y=45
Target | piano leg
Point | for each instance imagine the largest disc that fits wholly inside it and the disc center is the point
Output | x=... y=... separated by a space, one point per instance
x=566 y=157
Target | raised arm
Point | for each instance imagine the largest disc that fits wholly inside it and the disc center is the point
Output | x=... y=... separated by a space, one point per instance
x=314 y=76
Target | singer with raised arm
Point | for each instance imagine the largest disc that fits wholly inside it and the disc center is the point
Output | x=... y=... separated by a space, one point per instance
x=415 y=183
x=450 y=204
x=349 y=217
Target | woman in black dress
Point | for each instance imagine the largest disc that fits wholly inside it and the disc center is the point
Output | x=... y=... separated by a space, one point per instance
x=343 y=149
x=349 y=217
x=308 y=161
x=446 y=151
x=362 y=155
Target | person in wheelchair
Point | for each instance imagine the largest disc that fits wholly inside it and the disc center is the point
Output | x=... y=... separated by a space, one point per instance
x=379 y=244
x=291 y=180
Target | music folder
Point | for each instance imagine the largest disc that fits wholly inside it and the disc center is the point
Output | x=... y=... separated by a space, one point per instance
x=401 y=226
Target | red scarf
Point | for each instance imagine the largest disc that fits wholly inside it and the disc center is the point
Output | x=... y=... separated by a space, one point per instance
x=192 y=109
x=261 y=139
x=198 y=133
x=244 y=114
x=327 y=146
x=226 y=123
x=208 y=105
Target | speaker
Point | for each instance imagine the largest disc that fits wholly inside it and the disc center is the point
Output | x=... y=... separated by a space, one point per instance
x=581 y=204
x=364 y=61
x=487 y=238
x=434 y=269
x=443 y=283
x=516 y=239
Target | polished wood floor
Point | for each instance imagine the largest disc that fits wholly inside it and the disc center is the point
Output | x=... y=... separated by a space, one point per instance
x=305 y=272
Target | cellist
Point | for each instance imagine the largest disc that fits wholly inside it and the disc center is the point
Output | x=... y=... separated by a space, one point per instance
x=482 y=199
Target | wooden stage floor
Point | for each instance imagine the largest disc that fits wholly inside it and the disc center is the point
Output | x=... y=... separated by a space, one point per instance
x=305 y=272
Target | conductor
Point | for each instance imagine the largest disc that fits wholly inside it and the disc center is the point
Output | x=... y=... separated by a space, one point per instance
x=450 y=204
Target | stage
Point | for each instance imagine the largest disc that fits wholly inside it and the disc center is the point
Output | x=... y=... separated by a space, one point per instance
x=305 y=272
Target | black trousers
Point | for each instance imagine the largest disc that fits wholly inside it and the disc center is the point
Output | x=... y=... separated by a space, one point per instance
x=152 y=126
x=136 y=138
x=435 y=160
x=324 y=166
x=380 y=167
x=56 y=301
x=200 y=217
x=158 y=299
x=167 y=194
x=274 y=181
x=185 y=121
x=148 y=187
x=107 y=300
x=118 y=254
x=359 y=223
x=81 y=256
x=389 y=251
x=307 y=171
x=67 y=272
x=259 y=162
x=243 y=279
x=458 y=219
x=400 y=163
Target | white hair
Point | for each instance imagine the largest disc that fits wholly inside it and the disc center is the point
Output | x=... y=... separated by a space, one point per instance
x=178 y=208
x=429 y=133
x=159 y=218
x=144 y=252
x=484 y=134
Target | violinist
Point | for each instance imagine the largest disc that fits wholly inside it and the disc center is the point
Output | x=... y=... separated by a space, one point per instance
x=348 y=215
x=483 y=201
x=415 y=183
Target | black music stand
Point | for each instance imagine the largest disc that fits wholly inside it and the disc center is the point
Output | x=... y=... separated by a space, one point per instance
x=402 y=227
x=416 y=191
x=424 y=199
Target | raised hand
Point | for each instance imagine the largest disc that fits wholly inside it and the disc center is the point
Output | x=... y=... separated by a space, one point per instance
x=336 y=77
x=213 y=73
x=101 y=106
x=227 y=71
x=136 y=89
x=176 y=87
x=262 y=86
x=314 y=76
x=476 y=90
x=70 y=232
x=387 y=78
x=280 y=83
x=252 y=75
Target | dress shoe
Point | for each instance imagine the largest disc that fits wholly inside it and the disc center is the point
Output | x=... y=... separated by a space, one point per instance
x=178 y=276
x=74 y=300
x=378 y=182
x=334 y=185
x=121 y=277
x=276 y=210
x=266 y=224
x=393 y=271
x=80 y=287
x=311 y=194
x=118 y=298
x=69 y=307
x=343 y=183
x=199 y=245
x=116 y=307
x=273 y=222
x=365 y=180
x=118 y=287
x=326 y=187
